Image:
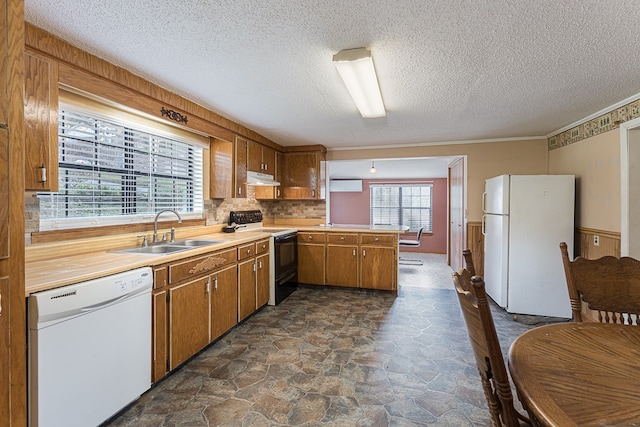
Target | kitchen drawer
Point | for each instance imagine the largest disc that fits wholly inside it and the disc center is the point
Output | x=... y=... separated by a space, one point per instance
x=262 y=246
x=160 y=276
x=342 y=239
x=192 y=267
x=378 y=239
x=246 y=251
x=305 y=237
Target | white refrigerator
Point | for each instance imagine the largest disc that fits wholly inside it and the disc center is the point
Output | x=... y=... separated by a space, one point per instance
x=525 y=219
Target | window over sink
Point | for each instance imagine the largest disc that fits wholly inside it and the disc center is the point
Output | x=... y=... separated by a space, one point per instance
x=115 y=168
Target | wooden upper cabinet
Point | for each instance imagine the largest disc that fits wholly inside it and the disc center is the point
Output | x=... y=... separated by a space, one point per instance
x=41 y=123
x=269 y=160
x=279 y=176
x=260 y=158
x=240 y=184
x=221 y=170
x=303 y=177
x=254 y=156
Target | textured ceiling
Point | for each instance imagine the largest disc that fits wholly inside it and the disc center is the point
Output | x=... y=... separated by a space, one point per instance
x=449 y=70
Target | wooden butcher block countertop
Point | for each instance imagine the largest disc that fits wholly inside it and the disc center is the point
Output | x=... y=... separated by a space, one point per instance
x=53 y=265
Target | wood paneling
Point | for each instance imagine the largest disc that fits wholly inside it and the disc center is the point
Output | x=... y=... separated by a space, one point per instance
x=475 y=243
x=609 y=243
x=4 y=193
x=13 y=393
x=132 y=86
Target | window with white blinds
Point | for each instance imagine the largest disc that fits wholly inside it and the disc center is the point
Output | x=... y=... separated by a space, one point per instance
x=402 y=204
x=114 y=172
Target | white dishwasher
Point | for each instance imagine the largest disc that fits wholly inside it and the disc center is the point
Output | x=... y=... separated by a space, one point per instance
x=89 y=349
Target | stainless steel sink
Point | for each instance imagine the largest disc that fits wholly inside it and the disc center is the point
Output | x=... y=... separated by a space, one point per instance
x=195 y=242
x=168 y=248
x=155 y=250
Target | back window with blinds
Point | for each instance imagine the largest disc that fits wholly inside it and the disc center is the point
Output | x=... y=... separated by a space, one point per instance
x=110 y=170
x=398 y=204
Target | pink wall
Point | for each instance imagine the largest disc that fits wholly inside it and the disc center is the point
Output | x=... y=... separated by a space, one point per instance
x=353 y=208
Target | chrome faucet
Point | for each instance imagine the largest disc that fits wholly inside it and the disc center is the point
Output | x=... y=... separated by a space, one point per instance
x=155 y=223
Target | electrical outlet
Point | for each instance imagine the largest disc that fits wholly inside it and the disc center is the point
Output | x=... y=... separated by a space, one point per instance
x=596 y=240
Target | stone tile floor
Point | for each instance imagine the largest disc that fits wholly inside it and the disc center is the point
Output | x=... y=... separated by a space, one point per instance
x=335 y=357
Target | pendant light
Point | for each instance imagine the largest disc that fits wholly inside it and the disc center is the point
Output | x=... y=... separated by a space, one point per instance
x=373 y=168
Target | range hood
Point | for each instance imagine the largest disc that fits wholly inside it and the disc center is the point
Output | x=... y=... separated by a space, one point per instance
x=257 y=178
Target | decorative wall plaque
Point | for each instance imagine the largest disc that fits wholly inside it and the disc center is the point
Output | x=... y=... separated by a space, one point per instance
x=174 y=115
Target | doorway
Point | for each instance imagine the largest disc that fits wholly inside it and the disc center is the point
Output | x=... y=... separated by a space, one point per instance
x=630 y=188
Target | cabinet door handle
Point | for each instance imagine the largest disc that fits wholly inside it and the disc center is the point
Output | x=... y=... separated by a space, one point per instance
x=207 y=287
x=43 y=173
x=254 y=266
x=310 y=237
x=260 y=264
x=364 y=252
x=342 y=238
x=354 y=252
x=248 y=251
x=215 y=283
x=376 y=239
x=313 y=193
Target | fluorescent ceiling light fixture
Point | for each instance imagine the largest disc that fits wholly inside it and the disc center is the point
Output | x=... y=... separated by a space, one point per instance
x=359 y=75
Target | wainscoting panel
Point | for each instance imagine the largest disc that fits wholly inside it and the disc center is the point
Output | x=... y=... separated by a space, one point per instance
x=475 y=242
x=608 y=243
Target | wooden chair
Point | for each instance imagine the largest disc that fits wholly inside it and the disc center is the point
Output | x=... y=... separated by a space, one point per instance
x=484 y=340
x=608 y=285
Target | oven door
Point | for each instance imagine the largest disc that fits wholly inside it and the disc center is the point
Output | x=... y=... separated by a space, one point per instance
x=286 y=266
x=286 y=254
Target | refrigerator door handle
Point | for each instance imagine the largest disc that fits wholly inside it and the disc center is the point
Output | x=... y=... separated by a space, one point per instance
x=484 y=217
x=484 y=209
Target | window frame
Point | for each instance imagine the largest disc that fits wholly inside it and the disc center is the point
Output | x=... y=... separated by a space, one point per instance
x=133 y=124
x=427 y=228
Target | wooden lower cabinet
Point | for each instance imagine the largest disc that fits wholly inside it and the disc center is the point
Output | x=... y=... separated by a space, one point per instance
x=262 y=280
x=311 y=263
x=366 y=260
x=246 y=288
x=159 y=366
x=188 y=320
x=342 y=266
x=224 y=301
x=378 y=267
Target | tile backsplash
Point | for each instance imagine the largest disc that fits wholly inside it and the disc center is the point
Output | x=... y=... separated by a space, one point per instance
x=215 y=211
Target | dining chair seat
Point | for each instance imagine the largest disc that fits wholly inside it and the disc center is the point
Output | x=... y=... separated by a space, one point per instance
x=411 y=243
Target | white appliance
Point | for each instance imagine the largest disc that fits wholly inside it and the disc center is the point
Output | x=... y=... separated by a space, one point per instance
x=526 y=217
x=89 y=349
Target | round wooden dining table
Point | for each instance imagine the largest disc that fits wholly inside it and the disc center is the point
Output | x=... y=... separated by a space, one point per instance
x=579 y=374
